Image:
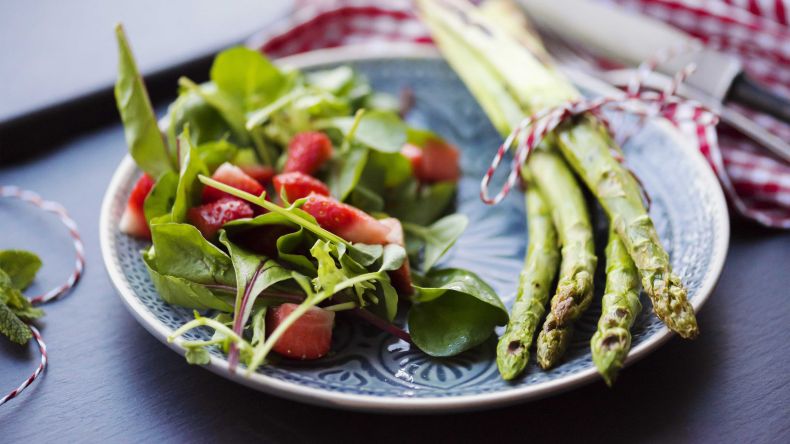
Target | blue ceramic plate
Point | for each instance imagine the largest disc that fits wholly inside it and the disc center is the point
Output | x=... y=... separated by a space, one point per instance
x=372 y=371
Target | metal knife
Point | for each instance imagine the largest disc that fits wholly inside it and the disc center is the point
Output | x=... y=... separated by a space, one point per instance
x=632 y=38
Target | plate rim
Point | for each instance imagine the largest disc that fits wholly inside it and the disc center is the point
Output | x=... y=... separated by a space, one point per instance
x=403 y=405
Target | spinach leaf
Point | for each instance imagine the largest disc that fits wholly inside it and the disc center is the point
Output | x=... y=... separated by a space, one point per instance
x=454 y=310
x=186 y=293
x=215 y=153
x=420 y=204
x=20 y=266
x=254 y=273
x=346 y=169
x=247 y=77
x=379 y=130
x=189 y=188
x=159 y=201
x=146 y=144
x=338 y=80
x=181 y=251
x=205 y=123
x=230 y=110
x=437 y=238
x=392 y=258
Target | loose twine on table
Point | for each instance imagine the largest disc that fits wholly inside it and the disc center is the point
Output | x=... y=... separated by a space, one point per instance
x=57 y=292
x=528 y=134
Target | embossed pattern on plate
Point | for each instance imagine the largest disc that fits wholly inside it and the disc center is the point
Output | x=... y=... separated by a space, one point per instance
x=370 y=370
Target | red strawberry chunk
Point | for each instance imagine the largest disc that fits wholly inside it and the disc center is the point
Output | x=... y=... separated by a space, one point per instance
x=400 y=278
x=308 y=338
x=231 y=175
x=261 y=173
x=133 y=218
x=414 y=154
x=210 y=217
x=307 y=152
x=298 y=185
x=350 y=223
x=437 y=162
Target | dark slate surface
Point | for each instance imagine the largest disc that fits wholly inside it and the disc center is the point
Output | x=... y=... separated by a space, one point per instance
x=110 y=381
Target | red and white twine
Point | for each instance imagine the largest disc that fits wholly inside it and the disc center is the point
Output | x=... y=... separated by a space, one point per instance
x=643 y=103
x=57 y=292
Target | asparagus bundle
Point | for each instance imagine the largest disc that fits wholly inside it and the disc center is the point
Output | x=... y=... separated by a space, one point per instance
x=620 y=306
x=472 y=43
x=535 y=282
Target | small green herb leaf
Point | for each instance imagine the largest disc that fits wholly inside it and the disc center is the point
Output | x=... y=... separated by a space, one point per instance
x=20 y=266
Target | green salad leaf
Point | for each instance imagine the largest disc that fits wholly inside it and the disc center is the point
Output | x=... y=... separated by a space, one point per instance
x=454 y=310
x=247 y=77
x=181 y=251
x=145 y=141
x=162 y=196
x=205 y=123
x=421 y=204
x=437 y=238
x=254 y=274
x=20 y=266
x=379 y=130
x=186 y=293
x=189 y=187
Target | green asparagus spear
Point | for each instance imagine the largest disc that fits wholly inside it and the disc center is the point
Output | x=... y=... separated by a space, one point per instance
x=559 y=187
x=535 y=85
x=533 y=290
x=620 y=306
x=575 y=286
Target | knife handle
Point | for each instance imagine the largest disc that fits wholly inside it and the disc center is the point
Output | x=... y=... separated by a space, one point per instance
x=747 y=92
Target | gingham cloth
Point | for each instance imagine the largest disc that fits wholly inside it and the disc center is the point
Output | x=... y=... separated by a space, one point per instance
x=757 y=31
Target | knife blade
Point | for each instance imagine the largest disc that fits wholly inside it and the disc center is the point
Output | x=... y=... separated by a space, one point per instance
x=632 y=38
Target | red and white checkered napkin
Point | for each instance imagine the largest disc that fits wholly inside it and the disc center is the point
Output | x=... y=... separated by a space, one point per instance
x=757 y=31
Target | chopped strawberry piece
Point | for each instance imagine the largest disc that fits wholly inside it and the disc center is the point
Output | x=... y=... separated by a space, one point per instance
x=231 y=175
x=298 y=185
x=262 y=173
x=210 y=217
x=414 y=154
x=133 y=218
x=307 y=152
x=350 y=223
x=436 y=162
x=308 y=338
x=400 y=278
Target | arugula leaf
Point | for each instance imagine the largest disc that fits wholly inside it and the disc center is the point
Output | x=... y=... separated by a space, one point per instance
x=437 y=238
x=454 y=310
x=160 y=199
x=20 y=266
x=185 y=293
x=181 y=251
x=189 y=188
x=146 y=144
x=247 y=76
x=379 y=130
